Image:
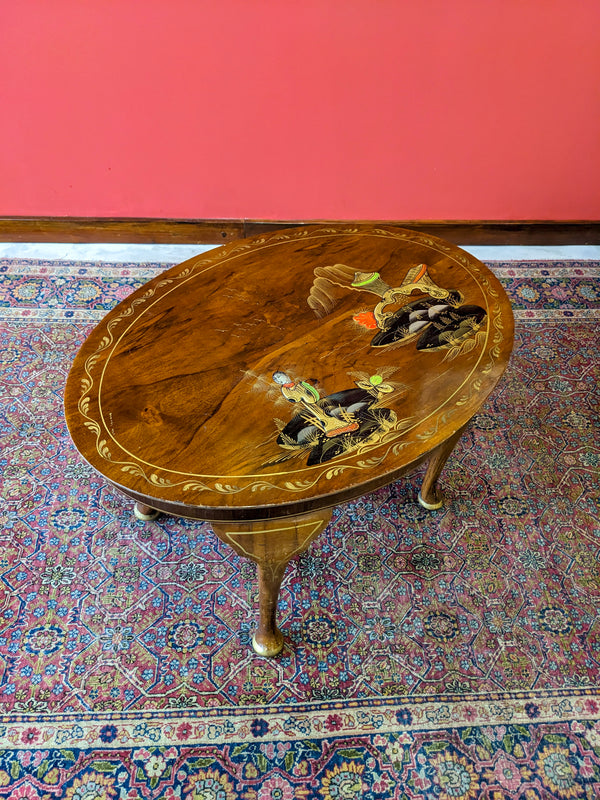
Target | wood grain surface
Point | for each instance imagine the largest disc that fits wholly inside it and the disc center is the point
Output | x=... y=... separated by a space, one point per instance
x=220 y=231
x=288 y=372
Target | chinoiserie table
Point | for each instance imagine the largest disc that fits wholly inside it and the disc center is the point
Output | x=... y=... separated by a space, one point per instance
x=260 y=384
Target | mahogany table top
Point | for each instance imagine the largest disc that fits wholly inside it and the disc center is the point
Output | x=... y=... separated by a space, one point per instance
x=288 y=372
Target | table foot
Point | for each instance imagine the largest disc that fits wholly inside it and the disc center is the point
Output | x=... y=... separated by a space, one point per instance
x=430 y=496
x=268 y=648
x=145 y=513
x=271 y=544
x=431 y=506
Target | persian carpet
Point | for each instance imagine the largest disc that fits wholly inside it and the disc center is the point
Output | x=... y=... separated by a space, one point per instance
x=447 y=655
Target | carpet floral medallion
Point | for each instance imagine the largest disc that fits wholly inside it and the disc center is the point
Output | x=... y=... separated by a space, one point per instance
x=451 y=655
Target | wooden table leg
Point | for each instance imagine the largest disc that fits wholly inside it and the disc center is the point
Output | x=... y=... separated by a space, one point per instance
x=145 y=512
x=430 y=496
x=271 y=544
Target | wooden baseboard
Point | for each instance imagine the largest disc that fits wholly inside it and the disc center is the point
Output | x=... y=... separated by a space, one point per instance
x=214 y=231
x=123 y=230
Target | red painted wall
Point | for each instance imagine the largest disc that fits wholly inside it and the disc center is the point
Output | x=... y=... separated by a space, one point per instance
x=381 y=109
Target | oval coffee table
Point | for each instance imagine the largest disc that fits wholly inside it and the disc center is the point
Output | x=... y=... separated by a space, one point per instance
x=261 y=383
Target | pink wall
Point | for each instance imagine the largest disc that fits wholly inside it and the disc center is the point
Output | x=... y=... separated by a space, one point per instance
x=380 y=109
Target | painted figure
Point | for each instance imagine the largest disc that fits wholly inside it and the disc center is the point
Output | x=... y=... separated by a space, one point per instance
x=439 y=319
x=337 y=423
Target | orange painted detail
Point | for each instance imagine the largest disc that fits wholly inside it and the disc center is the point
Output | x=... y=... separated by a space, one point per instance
x=366 y=319
x=352 y=426
x=422 y=272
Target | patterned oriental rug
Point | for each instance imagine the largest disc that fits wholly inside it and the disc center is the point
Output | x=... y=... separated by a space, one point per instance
x=452 y=655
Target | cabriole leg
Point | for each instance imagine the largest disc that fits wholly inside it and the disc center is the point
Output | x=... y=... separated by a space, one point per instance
x=271 y=544
x=430 y=496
